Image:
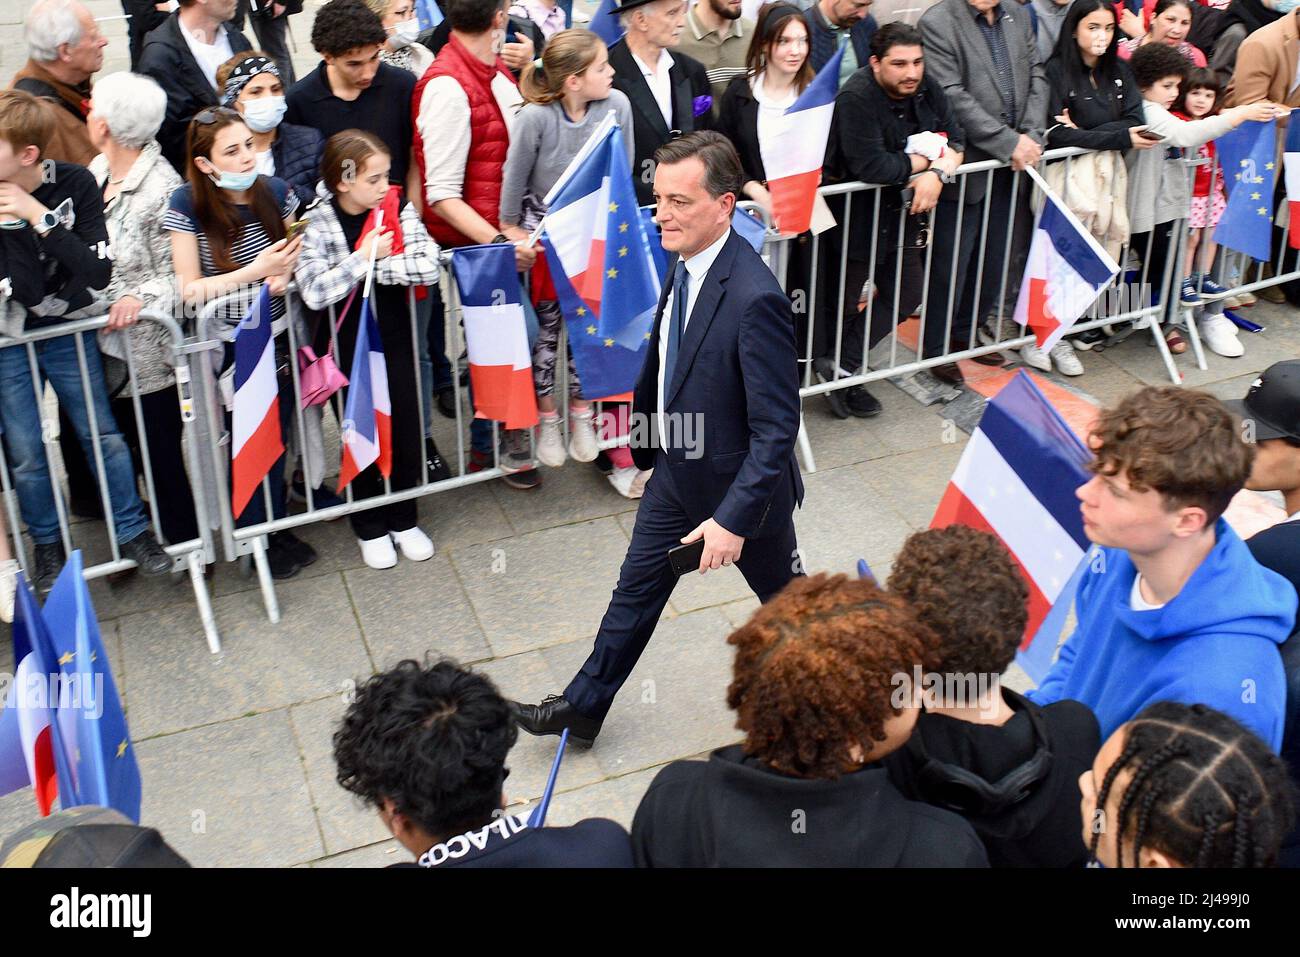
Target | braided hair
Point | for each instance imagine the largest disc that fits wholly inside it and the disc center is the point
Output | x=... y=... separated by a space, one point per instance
x=1202 y=789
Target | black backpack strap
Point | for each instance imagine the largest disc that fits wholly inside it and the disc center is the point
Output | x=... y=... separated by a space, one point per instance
x=39 y=88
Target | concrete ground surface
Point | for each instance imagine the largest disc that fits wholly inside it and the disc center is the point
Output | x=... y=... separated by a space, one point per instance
x=235 y=748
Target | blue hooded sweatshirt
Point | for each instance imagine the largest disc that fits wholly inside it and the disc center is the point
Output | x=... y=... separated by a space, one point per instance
x=1216 y=642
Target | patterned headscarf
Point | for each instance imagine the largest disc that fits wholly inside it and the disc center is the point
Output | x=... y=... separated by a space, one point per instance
x=243 y=73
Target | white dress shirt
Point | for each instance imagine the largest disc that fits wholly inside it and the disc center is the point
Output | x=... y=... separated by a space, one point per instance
x=697 y=267
x=661 y=84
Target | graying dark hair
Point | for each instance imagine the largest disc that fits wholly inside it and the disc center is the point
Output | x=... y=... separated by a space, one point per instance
x=722 y=172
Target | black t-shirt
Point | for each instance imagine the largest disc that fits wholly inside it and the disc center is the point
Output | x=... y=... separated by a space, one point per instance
x=383 y=108
x=1042 y=830
x=1278 y=548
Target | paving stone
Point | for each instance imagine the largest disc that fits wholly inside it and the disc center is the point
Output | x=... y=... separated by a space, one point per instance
x=693 y=591
x=231 y=795
x=674 y=702
x=374 y=855
x=613 y=798
x=738 y=612
x=845 y=518
x=836 y=442
x=174 y=682
x=543 y=587
x=345 y=822
x=574 y=492
x=414 y=609
x=912 y=483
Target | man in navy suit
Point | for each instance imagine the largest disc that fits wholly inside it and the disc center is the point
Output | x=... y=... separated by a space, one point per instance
x=721 y=367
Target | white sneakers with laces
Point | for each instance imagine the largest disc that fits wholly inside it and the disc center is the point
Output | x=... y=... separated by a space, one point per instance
x=1220 y=334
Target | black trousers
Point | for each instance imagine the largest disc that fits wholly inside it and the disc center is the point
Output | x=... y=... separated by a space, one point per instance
x=163 y=431
x=271 y=37
x=1010 y=228
x=901 y=284
x=408 y=431
x=645 y=583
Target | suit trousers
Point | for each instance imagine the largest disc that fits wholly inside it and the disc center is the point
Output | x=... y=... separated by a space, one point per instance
x=1010 y=229
x=646 y=581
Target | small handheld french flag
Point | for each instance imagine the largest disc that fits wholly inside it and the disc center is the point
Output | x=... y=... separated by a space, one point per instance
x=1291 y=169
x=256 y=442
x=793 y=154
x=368 y=413
x=1066 y=271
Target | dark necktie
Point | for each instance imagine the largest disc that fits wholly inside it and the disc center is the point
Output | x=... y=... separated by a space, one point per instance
x=676 y=322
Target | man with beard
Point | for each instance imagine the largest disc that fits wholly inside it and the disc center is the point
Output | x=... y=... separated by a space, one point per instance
x=718 y=37
x=833 y=24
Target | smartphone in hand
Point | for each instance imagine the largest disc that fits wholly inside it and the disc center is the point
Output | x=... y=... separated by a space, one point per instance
x=686 y=558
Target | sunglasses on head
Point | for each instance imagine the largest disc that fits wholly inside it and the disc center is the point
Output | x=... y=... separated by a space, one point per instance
x=211 y=114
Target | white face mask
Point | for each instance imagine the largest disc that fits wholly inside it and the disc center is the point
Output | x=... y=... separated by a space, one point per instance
x=404 y=34
x=264 y=114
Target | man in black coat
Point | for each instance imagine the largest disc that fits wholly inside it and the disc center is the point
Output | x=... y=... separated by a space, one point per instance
x=718 y=398
x=669 y=91
x=270 y=22
x=169 y=59
x=145 y=16
x=888 y=128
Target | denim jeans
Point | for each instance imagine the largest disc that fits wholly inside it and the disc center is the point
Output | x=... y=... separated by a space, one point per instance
x=21 y=411
x=435 y=368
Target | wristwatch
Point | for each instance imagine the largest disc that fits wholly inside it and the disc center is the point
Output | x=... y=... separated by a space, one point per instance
x=47 y=221
x=500 y=238
x=944 y=176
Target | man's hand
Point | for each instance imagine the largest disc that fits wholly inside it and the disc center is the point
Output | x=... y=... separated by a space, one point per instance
x=925 y=193
x=1026 y=153
x=525 y=256
x=721 y=547
x=16 y=201
x=518 y=53
x=125 y=312
x=1064 y=119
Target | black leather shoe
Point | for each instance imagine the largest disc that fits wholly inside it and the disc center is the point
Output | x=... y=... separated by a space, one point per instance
x=825 y=371
x=301 y=553
x=555 y=714
x=949 y=372
x=147 y=554
x=861 y=402
x=48 y=563
x=447 y=402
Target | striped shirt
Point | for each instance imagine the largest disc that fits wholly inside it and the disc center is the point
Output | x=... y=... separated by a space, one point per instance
x=247 y=246
x=997 y=43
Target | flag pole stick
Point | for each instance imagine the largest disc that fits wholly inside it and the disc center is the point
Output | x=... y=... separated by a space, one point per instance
x=370 y=268
x=538 y=817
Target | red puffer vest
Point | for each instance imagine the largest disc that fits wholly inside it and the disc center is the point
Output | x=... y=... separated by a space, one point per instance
x=489 y=137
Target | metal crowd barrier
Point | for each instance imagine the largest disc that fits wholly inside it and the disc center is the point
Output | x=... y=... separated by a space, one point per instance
x=190 y=555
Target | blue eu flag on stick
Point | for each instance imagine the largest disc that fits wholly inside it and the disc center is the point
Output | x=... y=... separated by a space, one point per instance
x=1247 y=159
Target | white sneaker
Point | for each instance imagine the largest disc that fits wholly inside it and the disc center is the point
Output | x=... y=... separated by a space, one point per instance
x=1035 y=357
x=550 y=444
x=638 y=483
x=378 y=552
x=1220 y=334
x=582 y=437
x=1067 y=362
x=8 y=586
x=624 y=481
x=415 y=545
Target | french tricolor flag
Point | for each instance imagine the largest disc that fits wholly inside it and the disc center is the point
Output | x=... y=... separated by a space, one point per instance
x=1066 y=271
x=26 y=738
x=500 y=361
x=368 y=413
x=1016 y=479
x=1291 y=168
x=255 y=427
x=794 y=151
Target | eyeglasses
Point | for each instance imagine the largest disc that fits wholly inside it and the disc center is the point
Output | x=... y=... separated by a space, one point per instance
x=212 y=113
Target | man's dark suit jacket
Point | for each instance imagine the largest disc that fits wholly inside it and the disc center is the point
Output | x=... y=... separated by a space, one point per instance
x=737 y=369
x=648 y=127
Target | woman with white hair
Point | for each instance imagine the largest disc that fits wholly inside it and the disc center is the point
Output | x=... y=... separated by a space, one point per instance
x=126 y=110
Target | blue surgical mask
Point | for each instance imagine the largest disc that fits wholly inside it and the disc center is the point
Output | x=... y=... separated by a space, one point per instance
x=235 y=182
x=264 y=114
x=1286 y=6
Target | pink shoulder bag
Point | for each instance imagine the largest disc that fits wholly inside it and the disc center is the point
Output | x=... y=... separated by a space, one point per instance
x=320 y=377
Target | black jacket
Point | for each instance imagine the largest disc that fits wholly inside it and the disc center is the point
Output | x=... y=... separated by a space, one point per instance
x=144 y=17
x=72 y=261
x=167 y=58
x=1278 y=548
x=866 y=144
x=732 y=811
x=296 y=152
x=1042 y=830
x=595 y=842
x=1103 y=114
x=19 y=259
x=436 y=38
x=738 y=121
x=689 y=81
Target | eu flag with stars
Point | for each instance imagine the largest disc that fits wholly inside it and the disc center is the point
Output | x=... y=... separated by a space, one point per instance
x=603 y=268
x=1247 y=158
x=93 y=749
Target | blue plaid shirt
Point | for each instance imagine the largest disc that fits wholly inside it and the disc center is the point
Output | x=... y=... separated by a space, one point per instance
x=997 y=42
